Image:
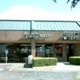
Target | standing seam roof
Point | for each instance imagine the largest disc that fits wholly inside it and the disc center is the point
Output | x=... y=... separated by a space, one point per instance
x=50 y=26
x=63 y=25
x=60 y=26
x=78 y=27
x=39 y=25
x=57 y=26
x=73 y=24
x=14 y=25
x=68 y=26
x=53 y=26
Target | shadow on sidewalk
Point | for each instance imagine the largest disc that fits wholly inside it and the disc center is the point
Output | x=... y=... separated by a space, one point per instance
x=66 y=63
x=26 y=65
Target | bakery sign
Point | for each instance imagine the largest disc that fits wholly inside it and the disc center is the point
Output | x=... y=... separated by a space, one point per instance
x=36 y=35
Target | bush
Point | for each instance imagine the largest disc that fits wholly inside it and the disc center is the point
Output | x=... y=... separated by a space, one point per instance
x=44 y=61
x=74 y=60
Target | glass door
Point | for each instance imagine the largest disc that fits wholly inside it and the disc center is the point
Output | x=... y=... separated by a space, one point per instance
x=69 y=48
x=40 y=50
x=49 y=50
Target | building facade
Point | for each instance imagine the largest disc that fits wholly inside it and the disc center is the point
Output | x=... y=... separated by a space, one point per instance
x=42 y=38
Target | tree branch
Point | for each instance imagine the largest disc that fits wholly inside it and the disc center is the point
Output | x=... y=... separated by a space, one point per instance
x=73 y=3
x=68 y=1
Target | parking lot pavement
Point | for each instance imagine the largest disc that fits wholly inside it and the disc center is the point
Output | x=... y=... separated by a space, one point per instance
x=63 y=66
x=18 y=72
x=4 y=67
x=37 y=75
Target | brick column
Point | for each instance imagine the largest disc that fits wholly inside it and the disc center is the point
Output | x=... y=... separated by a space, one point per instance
x=33 y=47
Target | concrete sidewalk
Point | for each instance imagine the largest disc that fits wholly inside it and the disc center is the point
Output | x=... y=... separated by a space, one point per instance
x=61 y=66
x=66 y=66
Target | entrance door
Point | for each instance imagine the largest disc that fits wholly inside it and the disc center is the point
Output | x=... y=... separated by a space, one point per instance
x=69 y=51
x=40 y=50
x=49 y=50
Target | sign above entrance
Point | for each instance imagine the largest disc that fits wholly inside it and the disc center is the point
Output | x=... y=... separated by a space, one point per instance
x=36 y=35
x=72 y=35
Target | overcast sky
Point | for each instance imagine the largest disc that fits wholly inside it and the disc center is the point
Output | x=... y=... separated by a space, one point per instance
x=38 y=10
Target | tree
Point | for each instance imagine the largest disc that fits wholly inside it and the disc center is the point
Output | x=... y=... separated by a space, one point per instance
x=73 y=3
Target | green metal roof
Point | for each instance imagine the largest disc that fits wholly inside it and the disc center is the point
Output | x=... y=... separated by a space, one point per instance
x=14 y=25
x=39 y=25
x=56 y=25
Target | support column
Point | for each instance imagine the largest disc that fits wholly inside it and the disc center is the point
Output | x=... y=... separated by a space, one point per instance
x=54 y=54
x=33 y=47
x=64 y=53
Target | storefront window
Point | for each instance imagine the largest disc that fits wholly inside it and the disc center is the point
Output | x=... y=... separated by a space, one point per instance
x=58 y=50
x=40 y=50
x=18 y=52
x=2 y=49
x=49 y=50
x=44 y=50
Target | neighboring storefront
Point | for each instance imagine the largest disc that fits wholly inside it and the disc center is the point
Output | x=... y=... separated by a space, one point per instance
x=59 y=39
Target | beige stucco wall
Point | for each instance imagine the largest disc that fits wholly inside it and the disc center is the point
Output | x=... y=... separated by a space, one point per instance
x=77 y=49
x=17 y=36
x=12 y=36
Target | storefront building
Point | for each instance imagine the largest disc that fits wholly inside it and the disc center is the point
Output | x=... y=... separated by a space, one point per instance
x=43 y=38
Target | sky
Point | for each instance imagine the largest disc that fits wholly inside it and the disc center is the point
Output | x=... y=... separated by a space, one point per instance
x=38 y=10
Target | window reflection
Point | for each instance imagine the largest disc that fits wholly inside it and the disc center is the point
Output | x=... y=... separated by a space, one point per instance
x=2 y=49
x=58 y=50
x=44 y=50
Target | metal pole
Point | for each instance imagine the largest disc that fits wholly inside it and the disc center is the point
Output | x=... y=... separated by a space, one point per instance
x=6 y=58
x=30 y=27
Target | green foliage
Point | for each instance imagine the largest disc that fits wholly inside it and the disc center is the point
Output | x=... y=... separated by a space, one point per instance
x=44 y=61
x=73 y=3
x=74 y=60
